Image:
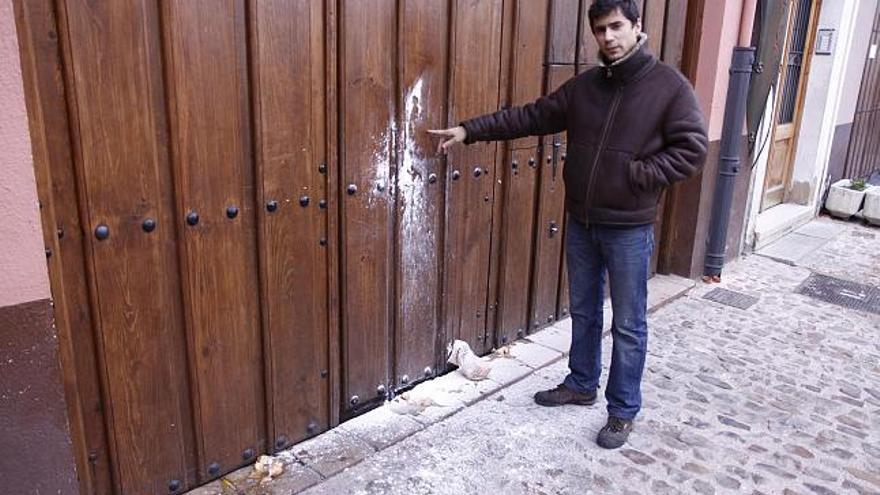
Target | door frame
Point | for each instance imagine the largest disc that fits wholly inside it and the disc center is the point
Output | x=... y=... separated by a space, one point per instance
x=803 y=80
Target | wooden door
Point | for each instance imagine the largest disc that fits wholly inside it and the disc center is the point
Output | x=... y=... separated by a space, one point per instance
x=790 y=90
x=252 y=236
x=204 y=249
x=863 y=154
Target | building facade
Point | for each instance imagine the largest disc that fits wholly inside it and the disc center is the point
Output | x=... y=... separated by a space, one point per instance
x=790 y=176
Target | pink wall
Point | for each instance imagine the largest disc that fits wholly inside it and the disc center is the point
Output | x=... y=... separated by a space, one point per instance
x=721 y=26
x=23 y=275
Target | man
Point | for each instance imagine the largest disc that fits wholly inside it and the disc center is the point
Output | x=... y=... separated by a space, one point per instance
x=634 y=127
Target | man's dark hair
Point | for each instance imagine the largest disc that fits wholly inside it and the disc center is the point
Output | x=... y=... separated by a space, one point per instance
x=601 y=8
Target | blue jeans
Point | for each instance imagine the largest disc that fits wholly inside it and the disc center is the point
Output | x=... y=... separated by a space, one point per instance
x=625 y=252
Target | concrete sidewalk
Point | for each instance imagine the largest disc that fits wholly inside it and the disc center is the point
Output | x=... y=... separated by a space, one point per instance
x=777 y=393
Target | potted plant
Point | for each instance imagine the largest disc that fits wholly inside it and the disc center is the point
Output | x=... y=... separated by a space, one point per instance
x=845 y=197
x=871 y=211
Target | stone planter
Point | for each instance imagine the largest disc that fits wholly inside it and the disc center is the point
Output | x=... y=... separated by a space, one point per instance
x=842 y=201
x=872 y=205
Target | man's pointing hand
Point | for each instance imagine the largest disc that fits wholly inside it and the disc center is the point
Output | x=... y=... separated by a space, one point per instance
x=455 y=135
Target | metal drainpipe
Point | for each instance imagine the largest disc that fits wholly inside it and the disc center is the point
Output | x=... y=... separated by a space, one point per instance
x=729 y=163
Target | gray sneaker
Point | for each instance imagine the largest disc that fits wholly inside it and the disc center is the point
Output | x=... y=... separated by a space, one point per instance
x=614 y=433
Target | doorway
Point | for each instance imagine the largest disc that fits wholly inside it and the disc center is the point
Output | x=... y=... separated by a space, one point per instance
x=793 y=74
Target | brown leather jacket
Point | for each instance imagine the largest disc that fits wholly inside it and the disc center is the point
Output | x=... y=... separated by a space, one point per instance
x=633 y=129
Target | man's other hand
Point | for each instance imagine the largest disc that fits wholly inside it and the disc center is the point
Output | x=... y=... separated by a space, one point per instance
x=455 y=135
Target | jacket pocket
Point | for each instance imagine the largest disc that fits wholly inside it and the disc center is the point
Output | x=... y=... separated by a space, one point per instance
x=613 y=187
x=648 y=195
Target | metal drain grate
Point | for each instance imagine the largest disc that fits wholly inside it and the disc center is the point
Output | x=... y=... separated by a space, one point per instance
x=731 y=298
x=841 y=292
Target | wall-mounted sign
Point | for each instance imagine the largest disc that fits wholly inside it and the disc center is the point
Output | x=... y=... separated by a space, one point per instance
x=824 y=41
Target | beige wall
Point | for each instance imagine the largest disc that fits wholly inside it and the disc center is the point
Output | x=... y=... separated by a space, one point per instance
x=827 y=86
x=23 y=275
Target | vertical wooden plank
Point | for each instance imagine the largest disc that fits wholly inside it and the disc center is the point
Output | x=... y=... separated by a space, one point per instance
x=474 y=90
x=518 y=236
x=256 y=83
x=869 y=112
x=502 y=157
x=551 y=210
x=367 y=72
x=422 y=105
x=116 y=97
x=562 y=47
x=588 y=50
x=864 y=125
x=864 y=143
x=865 y=129
x=673 y=35
x=527 y=71
x=568 y=31
x=334 y=324
x=653 y=24
x=567 y=26
x=63 y=236
x=213 y=171
x=291 y=156
x=584 y=60
x=518 y=174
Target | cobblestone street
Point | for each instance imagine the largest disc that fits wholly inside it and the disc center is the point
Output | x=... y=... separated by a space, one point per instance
x=780 y=398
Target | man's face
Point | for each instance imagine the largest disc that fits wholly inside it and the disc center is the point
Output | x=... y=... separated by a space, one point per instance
x=616 y=35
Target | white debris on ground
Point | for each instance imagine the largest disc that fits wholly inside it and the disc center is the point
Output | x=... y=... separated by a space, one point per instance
x=501 y=352
x=438 y=392
x=267 y=468
x=410 y=403
x=469 y=365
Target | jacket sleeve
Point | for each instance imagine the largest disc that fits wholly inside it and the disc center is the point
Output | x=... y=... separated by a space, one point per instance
x=686 y=142
x=546 y=115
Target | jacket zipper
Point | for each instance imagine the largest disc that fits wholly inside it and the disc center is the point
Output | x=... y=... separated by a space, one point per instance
x=599 y=150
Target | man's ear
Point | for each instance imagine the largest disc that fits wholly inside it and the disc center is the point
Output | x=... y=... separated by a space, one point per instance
x=638 y=25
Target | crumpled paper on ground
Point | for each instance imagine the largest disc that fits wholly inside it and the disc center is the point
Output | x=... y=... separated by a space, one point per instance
x=267 y=468
x=502 y=352
x=469 y=365
x=428 y=394
x=409 y=403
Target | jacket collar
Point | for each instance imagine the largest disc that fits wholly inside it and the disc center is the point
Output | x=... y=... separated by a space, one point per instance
x=631 y=66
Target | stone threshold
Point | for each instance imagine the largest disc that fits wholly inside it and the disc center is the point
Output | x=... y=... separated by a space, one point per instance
x=779 y=221
x=313 y=461
x=800 y=243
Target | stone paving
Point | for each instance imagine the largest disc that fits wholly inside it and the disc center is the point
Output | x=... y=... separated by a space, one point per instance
x=852 y=255
x=782 y=397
